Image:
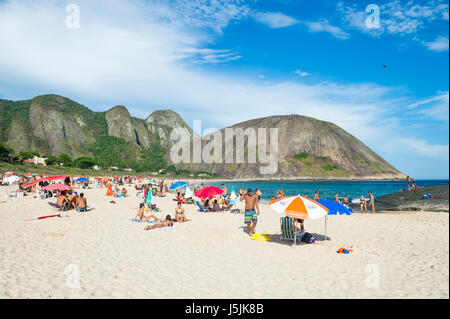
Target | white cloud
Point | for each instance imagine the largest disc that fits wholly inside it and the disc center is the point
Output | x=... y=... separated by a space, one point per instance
x=324 y=25
x=402 y=19
x=142 y=54
x=275 y=20
x=439 y=44
x=301 y=73
x=435 y=107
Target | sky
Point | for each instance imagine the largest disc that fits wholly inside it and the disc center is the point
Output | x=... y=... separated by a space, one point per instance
x=382 y=75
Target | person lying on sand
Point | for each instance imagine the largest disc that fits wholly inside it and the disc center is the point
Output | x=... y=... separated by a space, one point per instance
x=180 y=215
x=81 y=203
x=166 y=223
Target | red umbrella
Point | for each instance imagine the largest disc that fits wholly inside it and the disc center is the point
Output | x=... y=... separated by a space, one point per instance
x=28 y=174
x=209 y=192
x=33 y=182
x=57 y=187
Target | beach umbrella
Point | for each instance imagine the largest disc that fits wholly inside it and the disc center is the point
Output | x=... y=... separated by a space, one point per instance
x=299 y=207
x=82 y=179
x=37 y=181
x=28 y=174
x=209 y=192
x=335 y=208
x=178 y=184
x=189 y=193
x=56 y=187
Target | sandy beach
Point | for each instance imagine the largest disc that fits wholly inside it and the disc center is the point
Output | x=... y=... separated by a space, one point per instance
x=101 y=254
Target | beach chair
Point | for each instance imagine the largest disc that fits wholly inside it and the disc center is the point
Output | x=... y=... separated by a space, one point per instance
x=57 y=207
x=202 y=209
x=287 y=229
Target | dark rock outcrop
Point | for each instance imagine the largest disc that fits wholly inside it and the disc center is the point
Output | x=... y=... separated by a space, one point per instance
x=413 y=200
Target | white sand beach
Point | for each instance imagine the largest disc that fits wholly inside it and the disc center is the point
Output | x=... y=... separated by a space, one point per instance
x=396 y=254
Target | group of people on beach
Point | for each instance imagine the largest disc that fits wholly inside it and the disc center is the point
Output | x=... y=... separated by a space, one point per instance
x=71 y=200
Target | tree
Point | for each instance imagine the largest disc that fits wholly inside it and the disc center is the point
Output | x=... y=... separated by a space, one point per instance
x=5 y=151
x=84 y=162
x=27 y=155
x=66 y=160
x=52 y=160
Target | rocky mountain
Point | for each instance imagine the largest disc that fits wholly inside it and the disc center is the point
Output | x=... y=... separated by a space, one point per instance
x=55 y=125
x=307 y=148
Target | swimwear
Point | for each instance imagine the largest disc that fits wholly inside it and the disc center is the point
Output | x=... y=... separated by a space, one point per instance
x=250 y=217
x=82 y=209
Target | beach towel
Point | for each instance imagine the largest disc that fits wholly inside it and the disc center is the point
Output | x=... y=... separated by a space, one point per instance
x=140 y=221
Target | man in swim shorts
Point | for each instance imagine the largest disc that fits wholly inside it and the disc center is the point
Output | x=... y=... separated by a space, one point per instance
x=251 y=210
x=372 y=202
x=81 y=203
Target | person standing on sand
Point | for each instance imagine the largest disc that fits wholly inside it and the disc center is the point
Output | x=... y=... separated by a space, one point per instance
x=251 y=210
x=362 y=204
x=316 y=196
x=372 y=202
x=408 y=180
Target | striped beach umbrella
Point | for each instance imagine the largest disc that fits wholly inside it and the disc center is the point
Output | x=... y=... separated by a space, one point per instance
x=299 y=207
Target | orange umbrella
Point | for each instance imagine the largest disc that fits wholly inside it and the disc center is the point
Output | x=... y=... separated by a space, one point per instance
x=299 y=207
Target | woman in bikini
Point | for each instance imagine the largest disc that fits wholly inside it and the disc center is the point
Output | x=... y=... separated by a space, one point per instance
x=140 y=215
x=179 y=214
x=166 y=223
x=362 y=204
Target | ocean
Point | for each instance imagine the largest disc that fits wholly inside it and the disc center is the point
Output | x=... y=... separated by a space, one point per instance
x=353 y=190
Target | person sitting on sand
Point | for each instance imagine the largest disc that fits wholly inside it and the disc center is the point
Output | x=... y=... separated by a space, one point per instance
x=216 y=207
x=345 y=200
x=207 y=204
x=336 y=199
x=81 y=203
x=180 y=214
x=72 y=200
x=299 y=228
x=362 y=204
x=166 y=223
x=124 y=192
x=140 y=215
x=62 y=201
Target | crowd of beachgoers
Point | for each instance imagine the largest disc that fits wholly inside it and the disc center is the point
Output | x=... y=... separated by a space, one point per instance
x=215 y=200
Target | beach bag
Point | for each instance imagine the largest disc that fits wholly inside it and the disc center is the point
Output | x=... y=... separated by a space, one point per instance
x=306 y=238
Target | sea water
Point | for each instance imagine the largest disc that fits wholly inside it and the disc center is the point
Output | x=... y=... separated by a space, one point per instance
x=353 y=190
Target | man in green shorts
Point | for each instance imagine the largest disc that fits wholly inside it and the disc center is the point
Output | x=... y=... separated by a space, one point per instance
x=372 y=202
x=251 y=210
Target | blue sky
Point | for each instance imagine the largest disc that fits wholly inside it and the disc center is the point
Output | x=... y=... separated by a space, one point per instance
x=228 y=61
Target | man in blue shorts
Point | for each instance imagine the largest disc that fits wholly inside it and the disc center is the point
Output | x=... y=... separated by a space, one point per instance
x=251 y=210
